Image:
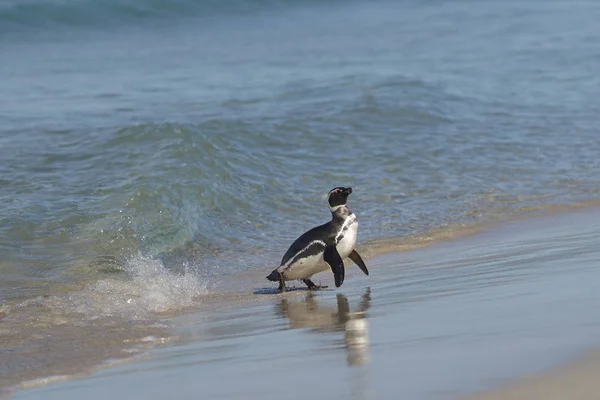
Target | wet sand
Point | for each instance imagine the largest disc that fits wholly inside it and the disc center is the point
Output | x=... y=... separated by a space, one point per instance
x=578 y=381
x=453 y=320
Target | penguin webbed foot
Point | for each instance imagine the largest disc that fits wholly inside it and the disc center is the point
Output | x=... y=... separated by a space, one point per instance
x=311 y=285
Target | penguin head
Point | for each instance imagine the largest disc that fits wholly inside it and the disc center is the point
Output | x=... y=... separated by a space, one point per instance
x=338 y=196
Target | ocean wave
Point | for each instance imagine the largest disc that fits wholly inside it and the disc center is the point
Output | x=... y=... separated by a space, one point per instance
x=104 y=321
x=149 y=288
x=89 y=13
x=145 y=288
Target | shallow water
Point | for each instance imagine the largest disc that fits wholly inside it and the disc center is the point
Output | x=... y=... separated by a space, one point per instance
x=152 y=149
x=435 y=323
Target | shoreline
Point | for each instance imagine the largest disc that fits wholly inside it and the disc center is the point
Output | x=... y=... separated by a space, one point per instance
x=241 y=300
x=383 y=246
x=574 y=380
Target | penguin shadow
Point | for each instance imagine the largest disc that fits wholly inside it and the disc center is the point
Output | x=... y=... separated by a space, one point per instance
x=288 y=289
x=308 y=313
x=275 y=290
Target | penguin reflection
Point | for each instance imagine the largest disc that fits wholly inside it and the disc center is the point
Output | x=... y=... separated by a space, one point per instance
x=307 y=313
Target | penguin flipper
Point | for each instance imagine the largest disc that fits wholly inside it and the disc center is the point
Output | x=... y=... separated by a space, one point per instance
x=332 y=257
x=354 y=256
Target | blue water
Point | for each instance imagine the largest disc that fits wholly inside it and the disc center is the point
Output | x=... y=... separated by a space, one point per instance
x=164 y=139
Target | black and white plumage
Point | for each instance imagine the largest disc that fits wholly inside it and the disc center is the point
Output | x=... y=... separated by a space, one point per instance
x=323 y=247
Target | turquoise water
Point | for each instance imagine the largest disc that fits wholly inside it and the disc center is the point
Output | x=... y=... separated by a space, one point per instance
x=152 y=149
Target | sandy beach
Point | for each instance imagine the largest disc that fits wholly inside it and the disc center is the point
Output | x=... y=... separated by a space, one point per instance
x=504 y=314
x=578 y=381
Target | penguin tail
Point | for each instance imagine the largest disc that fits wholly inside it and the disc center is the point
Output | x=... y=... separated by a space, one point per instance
x=274 y=276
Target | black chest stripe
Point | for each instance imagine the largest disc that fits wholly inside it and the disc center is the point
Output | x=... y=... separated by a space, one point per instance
x=312 y=249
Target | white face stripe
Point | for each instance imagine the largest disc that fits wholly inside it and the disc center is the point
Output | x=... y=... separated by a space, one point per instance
x=307 y=246
x=349 y=221
x=334 y=209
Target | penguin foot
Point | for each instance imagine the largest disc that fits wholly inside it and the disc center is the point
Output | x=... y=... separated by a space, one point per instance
x=311 y=285
x=281 y=283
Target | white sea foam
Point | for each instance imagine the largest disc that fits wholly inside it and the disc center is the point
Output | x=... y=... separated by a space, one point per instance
x=148 y=288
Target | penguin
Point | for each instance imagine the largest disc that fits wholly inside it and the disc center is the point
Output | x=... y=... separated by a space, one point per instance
x=323 y=247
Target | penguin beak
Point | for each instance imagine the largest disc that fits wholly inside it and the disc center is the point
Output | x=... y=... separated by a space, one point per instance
x=349 y=190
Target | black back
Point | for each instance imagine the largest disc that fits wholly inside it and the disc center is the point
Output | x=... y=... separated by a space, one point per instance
x=325 y=233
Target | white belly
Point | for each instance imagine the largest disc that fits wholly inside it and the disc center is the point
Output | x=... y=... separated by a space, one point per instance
x=347 y=243
x=305 y=268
